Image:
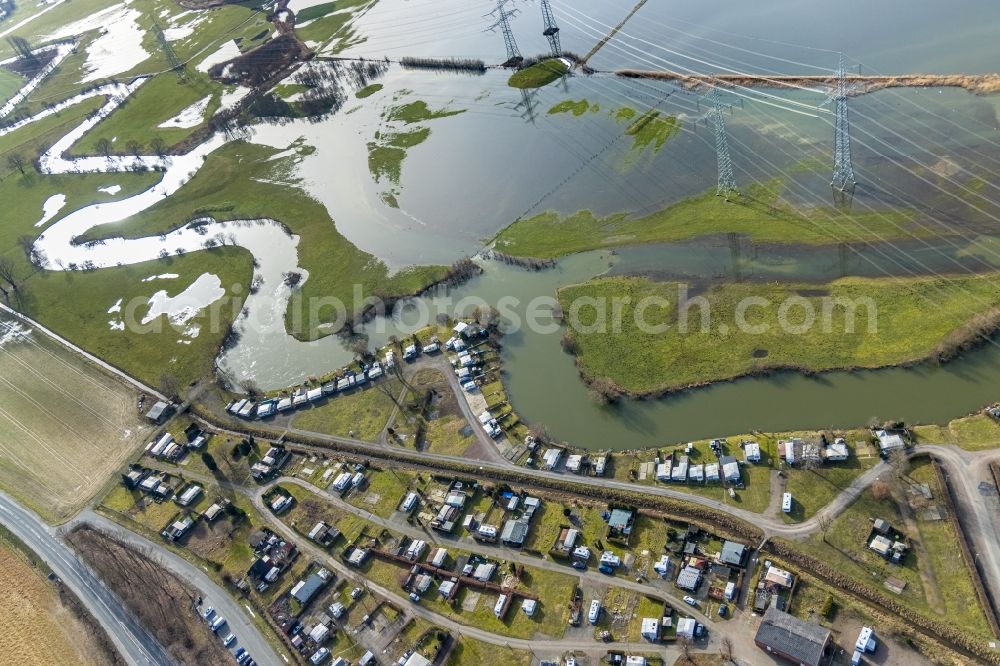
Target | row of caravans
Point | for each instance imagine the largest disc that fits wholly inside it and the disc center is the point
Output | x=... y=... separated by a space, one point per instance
x=249 y=409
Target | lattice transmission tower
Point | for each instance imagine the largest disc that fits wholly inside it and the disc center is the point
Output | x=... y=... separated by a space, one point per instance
x=168 y=51
x=727 y=180
x=503 y=16
x=843 y=165
x=551 y=30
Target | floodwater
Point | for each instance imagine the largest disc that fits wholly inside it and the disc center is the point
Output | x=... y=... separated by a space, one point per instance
x=932 y=151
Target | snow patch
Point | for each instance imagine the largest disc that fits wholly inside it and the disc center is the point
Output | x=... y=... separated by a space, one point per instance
x=110 y=189
x=189 y=117
x=184 y=306
x=227 y=51
x=117 y=307
x=51 y=208
x=119 y=46
x=12 y=332
x=161 y=276
x=116 y=325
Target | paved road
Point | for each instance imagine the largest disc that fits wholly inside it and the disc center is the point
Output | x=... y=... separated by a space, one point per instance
x=133 y=642
x=236 y=614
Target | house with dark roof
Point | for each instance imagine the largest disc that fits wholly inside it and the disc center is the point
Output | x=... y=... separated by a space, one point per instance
x=733 y=554
x=786 y=636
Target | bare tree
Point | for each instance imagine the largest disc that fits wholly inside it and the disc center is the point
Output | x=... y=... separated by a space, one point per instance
x=159 y=146
x=16 y=161
x=726 y=650
x=103 y=146
x=134 y=147
x=169 y=385
x=250 y=387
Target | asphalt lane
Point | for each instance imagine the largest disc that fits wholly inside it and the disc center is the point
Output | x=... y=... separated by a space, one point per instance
x=134 y=643
x=236 y=614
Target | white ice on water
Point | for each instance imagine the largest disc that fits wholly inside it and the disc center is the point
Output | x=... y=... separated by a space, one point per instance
x=184 y=306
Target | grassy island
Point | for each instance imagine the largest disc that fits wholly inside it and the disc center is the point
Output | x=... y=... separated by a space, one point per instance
x=895 y=321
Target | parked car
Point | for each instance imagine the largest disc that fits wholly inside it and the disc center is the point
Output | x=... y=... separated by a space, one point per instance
x=217 y=623
x=229 y=639
x=414 y=597
x=699 y=630
x=356 y=592
x=723 y=610
x=577 y=564
x=209 y=612
x=241 y=654
x=690 y=601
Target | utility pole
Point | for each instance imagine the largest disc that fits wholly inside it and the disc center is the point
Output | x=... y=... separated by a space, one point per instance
x=727 y=181
x=504 y=15
x=843 y=166
x=551 y=30
x=528 y=103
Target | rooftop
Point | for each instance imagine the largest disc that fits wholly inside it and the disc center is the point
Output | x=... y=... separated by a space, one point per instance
x=798 y=640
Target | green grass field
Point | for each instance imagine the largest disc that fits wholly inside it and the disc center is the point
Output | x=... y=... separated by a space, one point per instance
x=540 y=74
x=361 y=414
x=761 y=216
x=156 y=100
x=10 y=83
x=911 y=318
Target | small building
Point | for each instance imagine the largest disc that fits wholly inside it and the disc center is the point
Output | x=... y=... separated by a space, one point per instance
x=484 y=572
x=574 y=463
x=881 y=545
x=689 y=578
x=159 y=412
x=304 y=590
x=778 y=578
x=696 y=473
x=357 y=557
x=323 y=534
x=409 y=502
x=581 y=553
x=609 y=559
x=500 y=608
x=882 y=527
x=600 y=464
x=438 y=557
x=730 y=469
x=635 y=660
x=711 y=472
x=786 y=502
x=446 y=588
x=620 y=524
x=786 y=636
x=212 y=512
x=514 y=533
x=529 y=606
x=566 y=540
x=319 y=633
x=733 y=553
x=177 y=529
x=551 y=458
x=190 y=495
x=837 y=451
x=650 y=629
x=662 y=566
x=686 y=627
x=889 y=441
x=663 y=471
x=751 y=451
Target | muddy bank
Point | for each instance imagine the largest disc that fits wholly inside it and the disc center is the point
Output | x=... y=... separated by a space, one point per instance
x=980 y=84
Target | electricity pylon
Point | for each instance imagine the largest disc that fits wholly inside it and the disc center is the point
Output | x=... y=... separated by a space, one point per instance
x=843 y=166
x=504 y=15
x=727 y=181
x=168 y=51
x=551 y=30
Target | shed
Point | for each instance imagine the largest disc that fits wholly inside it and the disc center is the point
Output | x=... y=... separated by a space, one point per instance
x=733 y=553
x=159 y=412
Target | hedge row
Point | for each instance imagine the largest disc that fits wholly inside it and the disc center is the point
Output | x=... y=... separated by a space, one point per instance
x=985 y=601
